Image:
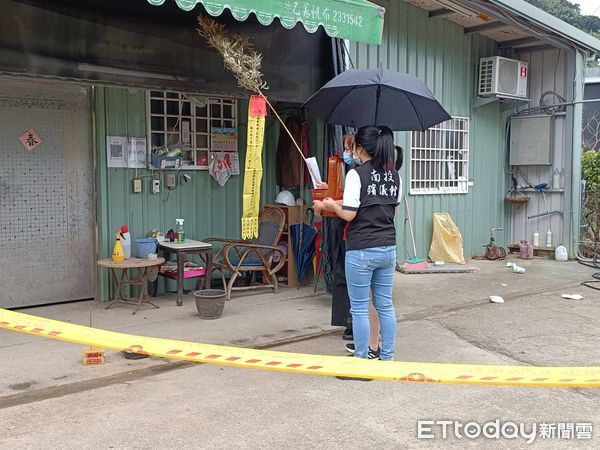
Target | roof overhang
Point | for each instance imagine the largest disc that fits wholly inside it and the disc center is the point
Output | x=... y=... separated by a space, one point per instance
x=514 y=24
x=356 y=20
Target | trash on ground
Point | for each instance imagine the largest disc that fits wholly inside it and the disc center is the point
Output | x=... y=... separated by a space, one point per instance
x=503 y=284
x=573 y=296
x=496 y=299
x=515 y=268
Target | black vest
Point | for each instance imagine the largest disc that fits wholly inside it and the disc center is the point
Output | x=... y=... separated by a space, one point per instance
x=373 y=225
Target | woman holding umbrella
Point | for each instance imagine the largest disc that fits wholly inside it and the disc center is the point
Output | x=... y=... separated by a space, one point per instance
x=393 y=101
x=340 y=302
x=371 y=194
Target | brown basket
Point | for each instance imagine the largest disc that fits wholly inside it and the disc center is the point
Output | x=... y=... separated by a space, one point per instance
x=516 y=200
x=210 y=303
x=320 y=194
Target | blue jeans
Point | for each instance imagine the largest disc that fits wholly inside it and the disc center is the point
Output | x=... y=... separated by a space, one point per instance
x=372 y=269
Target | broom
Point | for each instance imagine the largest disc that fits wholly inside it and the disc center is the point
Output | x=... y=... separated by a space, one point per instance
x=414 y=263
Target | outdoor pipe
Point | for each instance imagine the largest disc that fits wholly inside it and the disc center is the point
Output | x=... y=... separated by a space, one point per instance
x=544 y=214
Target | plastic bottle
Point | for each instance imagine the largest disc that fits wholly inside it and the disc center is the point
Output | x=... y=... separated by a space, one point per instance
x=180 y=232
x=562 y=178
x=549 y=238
x=560 y=254
x=524 y=250
x=536 y=239
x=556 y=179
x=117 y=253
x=126 y=241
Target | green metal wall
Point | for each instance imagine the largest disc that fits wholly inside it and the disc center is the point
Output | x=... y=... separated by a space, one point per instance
x=438 y=52
x=208 y=209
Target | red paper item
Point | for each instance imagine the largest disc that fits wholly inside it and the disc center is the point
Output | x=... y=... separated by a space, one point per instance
x=258 y=106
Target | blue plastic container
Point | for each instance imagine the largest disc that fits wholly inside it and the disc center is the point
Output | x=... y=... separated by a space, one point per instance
x=145 y=246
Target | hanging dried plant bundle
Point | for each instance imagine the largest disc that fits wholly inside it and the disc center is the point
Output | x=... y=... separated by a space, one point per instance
x=241 y=59
x=239 y=56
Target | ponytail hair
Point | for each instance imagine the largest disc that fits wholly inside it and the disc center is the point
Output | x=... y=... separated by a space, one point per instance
x=378 y=142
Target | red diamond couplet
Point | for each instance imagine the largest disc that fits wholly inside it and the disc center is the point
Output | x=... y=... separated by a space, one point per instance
x=30 y=139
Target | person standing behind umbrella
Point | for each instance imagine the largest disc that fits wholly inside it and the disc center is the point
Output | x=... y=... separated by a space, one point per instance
x=371 y=194
x=340 y=302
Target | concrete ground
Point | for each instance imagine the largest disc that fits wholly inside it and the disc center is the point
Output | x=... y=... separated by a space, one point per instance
x=48 y=399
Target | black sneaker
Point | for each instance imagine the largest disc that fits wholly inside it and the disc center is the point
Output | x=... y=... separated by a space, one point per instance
x=373 y=354
x=347 y=336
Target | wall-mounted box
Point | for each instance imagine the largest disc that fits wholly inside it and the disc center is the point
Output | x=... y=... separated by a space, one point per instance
x=531 y=139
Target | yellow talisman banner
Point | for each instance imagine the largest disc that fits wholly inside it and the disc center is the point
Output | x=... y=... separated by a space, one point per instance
x=257 y=110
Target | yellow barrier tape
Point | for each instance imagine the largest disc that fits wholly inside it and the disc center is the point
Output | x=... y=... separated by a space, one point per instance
x=257 y=111
x=304 y=363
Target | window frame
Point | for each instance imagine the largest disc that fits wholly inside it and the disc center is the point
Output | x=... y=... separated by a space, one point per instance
x=213 y=117
x=434 y=142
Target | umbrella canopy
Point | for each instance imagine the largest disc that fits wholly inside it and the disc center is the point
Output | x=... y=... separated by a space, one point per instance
x=303 y=244
x=356 y=98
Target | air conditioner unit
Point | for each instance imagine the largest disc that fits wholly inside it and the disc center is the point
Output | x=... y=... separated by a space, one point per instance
x=502 y=77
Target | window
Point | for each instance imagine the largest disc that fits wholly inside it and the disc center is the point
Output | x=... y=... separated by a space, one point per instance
x=439 y=158
x=188 y=121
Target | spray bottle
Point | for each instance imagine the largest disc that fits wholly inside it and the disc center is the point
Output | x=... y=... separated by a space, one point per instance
x=126 y=241
x=180 y=232
x=117 y=253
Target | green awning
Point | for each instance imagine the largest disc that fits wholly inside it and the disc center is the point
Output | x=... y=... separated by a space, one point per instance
x=357 y=20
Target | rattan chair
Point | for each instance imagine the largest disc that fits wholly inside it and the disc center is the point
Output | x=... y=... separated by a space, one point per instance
x=238 y=258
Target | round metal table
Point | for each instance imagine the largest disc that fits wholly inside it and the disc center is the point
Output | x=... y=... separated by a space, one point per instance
x=147 y=271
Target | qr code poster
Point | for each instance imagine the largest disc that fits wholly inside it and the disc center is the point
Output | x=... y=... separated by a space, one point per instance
x=126 y=152
x=116 y=151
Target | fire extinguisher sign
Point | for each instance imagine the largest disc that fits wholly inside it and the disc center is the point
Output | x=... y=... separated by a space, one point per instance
x=523 y=72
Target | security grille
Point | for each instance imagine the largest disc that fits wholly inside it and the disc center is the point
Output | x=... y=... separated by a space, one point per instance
x=440 y=158
x=188 y=120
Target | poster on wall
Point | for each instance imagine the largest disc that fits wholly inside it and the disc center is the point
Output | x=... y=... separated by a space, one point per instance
x=124 y=152
x=116 y=151
x=224 y=139
x=137 y=154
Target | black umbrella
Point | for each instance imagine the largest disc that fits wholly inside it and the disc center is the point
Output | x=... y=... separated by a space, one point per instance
x=303 y=244
x=356 y=98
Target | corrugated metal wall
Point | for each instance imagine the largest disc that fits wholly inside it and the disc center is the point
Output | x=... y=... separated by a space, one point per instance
x=438 y=52
x=546 y=73
x=208 y=209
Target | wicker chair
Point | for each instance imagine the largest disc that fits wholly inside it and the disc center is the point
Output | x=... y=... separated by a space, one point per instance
x=238 y=258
